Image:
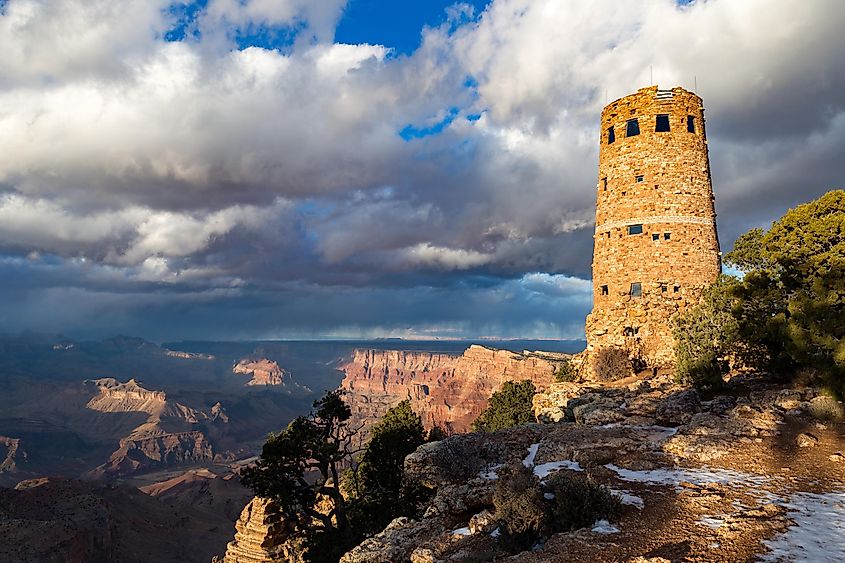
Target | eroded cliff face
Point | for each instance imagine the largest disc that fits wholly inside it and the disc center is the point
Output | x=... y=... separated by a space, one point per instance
x=262 y=535
x=262 y=372
x=445 y=390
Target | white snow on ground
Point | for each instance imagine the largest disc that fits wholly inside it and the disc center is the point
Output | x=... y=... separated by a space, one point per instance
x=489 y=473
x=532 y=454
x=495 y=533
x=544 y=469
x=711 y=522
x=605 y=527
x=461 y=532
x=702 y=476
x=627 y=497
x=818 y=533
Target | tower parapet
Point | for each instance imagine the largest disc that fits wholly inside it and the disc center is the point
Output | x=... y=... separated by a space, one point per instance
x=655 y=244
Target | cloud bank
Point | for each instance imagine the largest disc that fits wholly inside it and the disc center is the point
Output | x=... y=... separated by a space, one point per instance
x=228 y=170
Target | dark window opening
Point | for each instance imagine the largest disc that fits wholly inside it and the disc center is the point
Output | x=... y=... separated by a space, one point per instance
x=633 y=128
x=639 y=178
x=636 y=289
x=604 y=290
x=631 y=330
x=667 y=236
x=611 y=136
x=604 y=184
x=655 y=236
x=677 y=289
x=663 y=288
x=635 y=229
x=623 y=193
x=662 y=124
x=691 y=124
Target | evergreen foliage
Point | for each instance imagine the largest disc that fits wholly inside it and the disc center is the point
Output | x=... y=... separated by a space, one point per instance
x=379 y=479
x=301 y=466
x=789 y=306
x=510 y=406
x=565 y=372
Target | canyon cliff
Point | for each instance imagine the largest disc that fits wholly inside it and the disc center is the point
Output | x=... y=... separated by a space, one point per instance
x=447 y=391
x=262 y=372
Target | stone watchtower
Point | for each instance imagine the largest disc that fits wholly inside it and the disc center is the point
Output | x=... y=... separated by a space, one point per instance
x=655 y=244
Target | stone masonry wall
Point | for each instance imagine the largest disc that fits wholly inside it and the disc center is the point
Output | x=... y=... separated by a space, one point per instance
x=661 y=181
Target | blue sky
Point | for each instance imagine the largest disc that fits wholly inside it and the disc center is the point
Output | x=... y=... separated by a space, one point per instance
x=305 y=169
x=397 y=25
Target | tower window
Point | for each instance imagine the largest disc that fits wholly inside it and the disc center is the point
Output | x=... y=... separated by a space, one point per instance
x=631 y=330
x=611 y=136
x=604 y=290
x=636 y=289
x=691 y=123
x=635 y=229
x=667 y=236
x=676 y=289
x=662 y=124
x=639 y=178
x=604 y=184
x=655 y=236
x=632 y=128
x=663 y=288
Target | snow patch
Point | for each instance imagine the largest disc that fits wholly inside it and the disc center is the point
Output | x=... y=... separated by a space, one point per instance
x=818 y=532
x=461 y=532
x=544 y=469
x=605 y=527
x=629 y=498
x=532 y=454
x=711 y=522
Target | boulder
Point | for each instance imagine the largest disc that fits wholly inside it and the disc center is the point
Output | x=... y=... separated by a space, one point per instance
x=678 y=408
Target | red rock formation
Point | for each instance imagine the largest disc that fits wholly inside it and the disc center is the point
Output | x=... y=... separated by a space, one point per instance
x=263 y=372
x=445 y=390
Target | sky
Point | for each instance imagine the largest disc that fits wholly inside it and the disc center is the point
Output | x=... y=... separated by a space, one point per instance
x=238 y=169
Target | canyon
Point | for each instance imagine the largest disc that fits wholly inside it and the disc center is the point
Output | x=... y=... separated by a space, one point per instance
x=448 y=391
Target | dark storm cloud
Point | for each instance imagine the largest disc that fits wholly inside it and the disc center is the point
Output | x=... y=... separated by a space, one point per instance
x=155 y=187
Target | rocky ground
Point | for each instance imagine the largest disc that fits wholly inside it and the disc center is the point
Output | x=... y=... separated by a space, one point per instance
x=751 y=474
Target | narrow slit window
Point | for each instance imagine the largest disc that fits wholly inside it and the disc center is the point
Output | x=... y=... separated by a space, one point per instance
x=655 y=236
x=635 y=229
x=691 y=123
x=632 y=128
x=636 y=289
x=604 y=184
x=604 y=290
x=639 y=178
x=667 y=236
x=662 y=124
x=676 y=289
x=611 y=136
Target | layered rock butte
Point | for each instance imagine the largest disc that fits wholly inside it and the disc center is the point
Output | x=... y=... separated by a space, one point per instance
x=263 y=372
x=447 y=391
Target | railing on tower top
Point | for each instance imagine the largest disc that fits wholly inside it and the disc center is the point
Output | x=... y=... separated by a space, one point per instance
x=665 y=94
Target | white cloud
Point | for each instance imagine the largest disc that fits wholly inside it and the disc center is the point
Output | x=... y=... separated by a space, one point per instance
x=197 y=163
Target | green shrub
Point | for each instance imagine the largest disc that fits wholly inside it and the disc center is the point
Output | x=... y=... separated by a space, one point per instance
x=521 y=510
x=706 y=335
x=565 y=372
x=510 y=406
x=789 y=304
x=611 y=363
x=379 y=480
x=579 y=501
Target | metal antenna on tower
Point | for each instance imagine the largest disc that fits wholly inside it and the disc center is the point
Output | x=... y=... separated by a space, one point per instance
x=651 y=75
x=695 y=78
